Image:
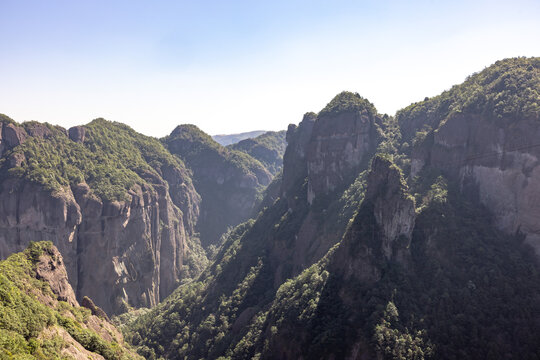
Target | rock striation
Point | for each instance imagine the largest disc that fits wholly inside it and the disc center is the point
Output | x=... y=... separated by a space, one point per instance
x=382 y=230
x=343 y=137
x=120 y=252
x=488 y=144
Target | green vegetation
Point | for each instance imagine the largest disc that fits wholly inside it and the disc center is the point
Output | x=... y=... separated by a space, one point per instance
x=112 y=159
x=6 y=119
x=198 y=149
x=347 y=101
x=230 y=182
x=508 y=89
x=30 y=317
x=225 y=310
x=279 y=287
x=268 y=148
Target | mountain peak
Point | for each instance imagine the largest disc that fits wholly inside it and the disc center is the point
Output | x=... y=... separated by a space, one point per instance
x=347 y=101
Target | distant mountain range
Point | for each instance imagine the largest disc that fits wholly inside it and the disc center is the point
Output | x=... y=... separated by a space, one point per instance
x=228 y=139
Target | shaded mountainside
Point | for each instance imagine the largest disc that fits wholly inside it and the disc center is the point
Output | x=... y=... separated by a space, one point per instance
x=120 y=208
x=443 y=284
x=40 y=317
x=209 y=317
x=268 y=148
x=376 y=243
x=230 y=182
x=229 y=139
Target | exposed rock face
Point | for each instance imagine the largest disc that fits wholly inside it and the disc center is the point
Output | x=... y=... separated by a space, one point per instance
x=115 y=252
x=328 y=151
x=494 y=158
x=128 y=251
x=50 y=268
x=294 y=163
x=382 y=229
x=10 y=136
x=392 y=206
x=77 y=134
x=339 y=144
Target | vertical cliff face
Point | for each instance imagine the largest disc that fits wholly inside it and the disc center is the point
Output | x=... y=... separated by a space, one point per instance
x=484 y=133
x=343 y=136
x=294 y=159
x=123 y=243
x=382 y=230
x=497 y=159
x=325 y=153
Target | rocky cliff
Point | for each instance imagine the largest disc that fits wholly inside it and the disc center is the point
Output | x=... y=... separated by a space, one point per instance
x=382 y=230
x=115 y=203
x=484 y=133
x=343 y=137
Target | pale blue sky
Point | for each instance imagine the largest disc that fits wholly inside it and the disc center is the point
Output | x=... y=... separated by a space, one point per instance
x=231 y=66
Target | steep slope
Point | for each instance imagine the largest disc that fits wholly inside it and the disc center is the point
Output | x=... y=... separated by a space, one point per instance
x=210 y=317
x=484 y=134
x=448 y=286
x=40 y=317
x=118 y=206
x=230 y=182
x=268 y=148
x=229 y=139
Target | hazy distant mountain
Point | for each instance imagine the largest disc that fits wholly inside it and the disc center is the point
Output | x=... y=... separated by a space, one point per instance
x=268 y=148
x=228 y=139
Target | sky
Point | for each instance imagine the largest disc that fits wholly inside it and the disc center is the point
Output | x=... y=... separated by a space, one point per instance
x=234 y=66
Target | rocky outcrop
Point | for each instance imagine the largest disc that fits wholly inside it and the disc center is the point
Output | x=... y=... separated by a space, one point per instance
x=382 y=230
x=77 y=134
x=50 y=268
x=393 y=208
x=294 y=159
x=11 y=135
x=341 y=140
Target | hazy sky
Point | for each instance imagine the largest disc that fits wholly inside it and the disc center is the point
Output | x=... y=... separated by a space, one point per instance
x=232 y=66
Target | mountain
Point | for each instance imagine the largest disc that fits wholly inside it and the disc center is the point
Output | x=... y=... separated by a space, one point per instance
x=120 y=208
x=126 y=214
x=268 y=148
x=388 y=237
x=208 y=317
x=40 y=317
x=484 y=134
x=230 y=182
x=230 y=139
